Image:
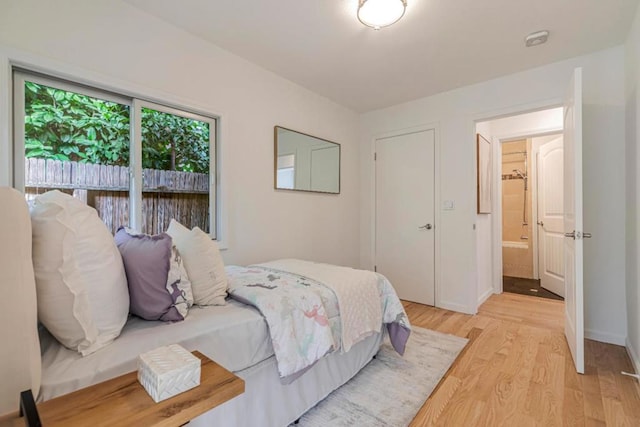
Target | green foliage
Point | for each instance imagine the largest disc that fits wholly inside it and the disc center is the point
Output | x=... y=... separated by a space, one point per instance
x=68 y=126
x=171 y=142
x=64 y=125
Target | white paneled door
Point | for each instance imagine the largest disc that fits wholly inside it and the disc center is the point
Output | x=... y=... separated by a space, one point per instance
x=405 y=214
x=551 y=216
x=573 y=224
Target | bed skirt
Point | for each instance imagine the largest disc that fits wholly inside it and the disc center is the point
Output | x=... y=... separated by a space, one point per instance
x=269 y=403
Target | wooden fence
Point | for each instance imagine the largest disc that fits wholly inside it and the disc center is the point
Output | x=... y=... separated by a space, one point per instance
x=165 y=194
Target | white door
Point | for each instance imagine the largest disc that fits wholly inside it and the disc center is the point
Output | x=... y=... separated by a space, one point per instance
x=405 y=192
x=551 y=216
x=573 y=243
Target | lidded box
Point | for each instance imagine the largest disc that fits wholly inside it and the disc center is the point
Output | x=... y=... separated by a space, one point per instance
x=167 y=371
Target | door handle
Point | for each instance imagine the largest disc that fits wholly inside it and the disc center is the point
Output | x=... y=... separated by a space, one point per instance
x=578 y=235
x=425 y=227
x=541 y=223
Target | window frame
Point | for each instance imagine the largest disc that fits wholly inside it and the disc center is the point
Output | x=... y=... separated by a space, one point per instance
x=135 y=103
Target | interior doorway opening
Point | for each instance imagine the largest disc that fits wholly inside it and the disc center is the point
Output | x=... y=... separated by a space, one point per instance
x=532 y=209
x=568 y=121
x=527 y=203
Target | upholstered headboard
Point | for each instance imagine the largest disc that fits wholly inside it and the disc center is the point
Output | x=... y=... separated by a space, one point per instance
x=20 y=366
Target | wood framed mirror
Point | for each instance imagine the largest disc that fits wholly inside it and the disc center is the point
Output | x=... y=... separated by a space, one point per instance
x=305 y=163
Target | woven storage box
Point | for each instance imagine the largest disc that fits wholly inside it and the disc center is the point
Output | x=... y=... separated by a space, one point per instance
x=167 y=371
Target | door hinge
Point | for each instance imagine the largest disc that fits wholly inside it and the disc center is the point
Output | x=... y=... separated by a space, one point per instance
x=375 y=268
x=375 y=156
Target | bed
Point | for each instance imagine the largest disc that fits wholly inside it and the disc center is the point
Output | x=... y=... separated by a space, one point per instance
x=239 y=342
x=238 y=336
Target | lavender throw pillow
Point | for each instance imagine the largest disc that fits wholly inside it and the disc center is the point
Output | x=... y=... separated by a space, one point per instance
x=147 y=261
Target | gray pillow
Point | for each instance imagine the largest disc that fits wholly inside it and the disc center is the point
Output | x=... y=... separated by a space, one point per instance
x=146 y=262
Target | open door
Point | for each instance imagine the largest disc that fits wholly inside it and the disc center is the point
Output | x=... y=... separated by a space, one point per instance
x=573 y=225
x=551 y=216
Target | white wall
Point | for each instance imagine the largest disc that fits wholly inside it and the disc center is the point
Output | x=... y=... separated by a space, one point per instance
x=604 y=183
x=633 y=189
x=536 y=122
x=484 y=230
x=114 y=42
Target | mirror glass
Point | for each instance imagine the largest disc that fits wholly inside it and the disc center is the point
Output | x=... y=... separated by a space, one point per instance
x=306 y=163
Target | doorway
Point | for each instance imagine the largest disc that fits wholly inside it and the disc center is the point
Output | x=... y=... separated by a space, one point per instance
x=568 y=121
x=405 y=213
x=532 y=215
x=521 y=247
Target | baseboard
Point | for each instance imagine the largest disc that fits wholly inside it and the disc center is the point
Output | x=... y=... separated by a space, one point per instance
x=485 y=296
x=455 y=307
x=605 y=337
x=633 y=355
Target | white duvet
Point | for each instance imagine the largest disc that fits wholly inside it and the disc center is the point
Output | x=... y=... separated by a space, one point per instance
x=315 y=309
x=356 y=290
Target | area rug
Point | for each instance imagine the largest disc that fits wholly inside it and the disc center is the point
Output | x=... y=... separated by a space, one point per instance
x=390 y=390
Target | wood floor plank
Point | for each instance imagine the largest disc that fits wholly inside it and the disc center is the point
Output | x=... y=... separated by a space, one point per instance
x=430 y=411
x=573 y=408
x=614 y=413
x=593 y=406
x=517 y=370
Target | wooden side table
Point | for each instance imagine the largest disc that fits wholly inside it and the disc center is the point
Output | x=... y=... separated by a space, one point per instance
x=122 y=401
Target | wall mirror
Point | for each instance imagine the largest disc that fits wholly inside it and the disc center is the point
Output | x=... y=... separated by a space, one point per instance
x=305 y=163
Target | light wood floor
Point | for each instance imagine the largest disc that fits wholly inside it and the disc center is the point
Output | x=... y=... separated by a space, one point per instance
x=517 y=370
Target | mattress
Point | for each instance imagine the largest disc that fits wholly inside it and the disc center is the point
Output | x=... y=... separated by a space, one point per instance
x=235 y=336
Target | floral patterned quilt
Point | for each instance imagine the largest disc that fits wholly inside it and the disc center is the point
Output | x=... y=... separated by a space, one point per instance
x=303 y=314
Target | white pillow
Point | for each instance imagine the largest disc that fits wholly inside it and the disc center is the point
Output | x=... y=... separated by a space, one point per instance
x=81 y=285
x=203 y=263
x=178 y=283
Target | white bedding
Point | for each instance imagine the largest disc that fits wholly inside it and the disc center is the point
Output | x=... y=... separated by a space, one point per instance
x=234 y=335
x=296 y=304
x=356 y=290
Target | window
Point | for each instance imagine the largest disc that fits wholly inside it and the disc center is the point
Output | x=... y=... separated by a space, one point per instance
x=176 y=184
x=137 y=163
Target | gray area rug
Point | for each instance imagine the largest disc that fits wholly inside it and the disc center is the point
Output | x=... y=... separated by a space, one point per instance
x=391 y=389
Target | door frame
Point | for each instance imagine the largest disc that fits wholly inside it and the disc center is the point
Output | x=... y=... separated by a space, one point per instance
x=436 y=198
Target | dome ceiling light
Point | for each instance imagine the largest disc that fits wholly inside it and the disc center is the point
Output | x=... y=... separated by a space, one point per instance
x=380 y=13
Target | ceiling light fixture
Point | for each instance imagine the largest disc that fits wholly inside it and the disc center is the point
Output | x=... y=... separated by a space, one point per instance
x=380 y=13
x=537 y=38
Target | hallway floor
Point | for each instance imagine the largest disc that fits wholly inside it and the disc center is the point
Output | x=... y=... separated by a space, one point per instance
x=531 y=287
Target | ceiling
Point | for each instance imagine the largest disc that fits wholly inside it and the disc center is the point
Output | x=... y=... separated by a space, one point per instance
x=437 y=46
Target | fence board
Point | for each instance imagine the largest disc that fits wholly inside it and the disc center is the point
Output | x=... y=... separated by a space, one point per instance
x=166 y=194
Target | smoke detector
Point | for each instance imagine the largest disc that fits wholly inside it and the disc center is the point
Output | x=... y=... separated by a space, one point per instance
x=537 y=38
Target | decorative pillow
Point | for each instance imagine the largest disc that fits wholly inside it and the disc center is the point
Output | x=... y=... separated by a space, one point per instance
x=178 y=283
x=203 y=263
x=156 y=292
x=80 y=280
